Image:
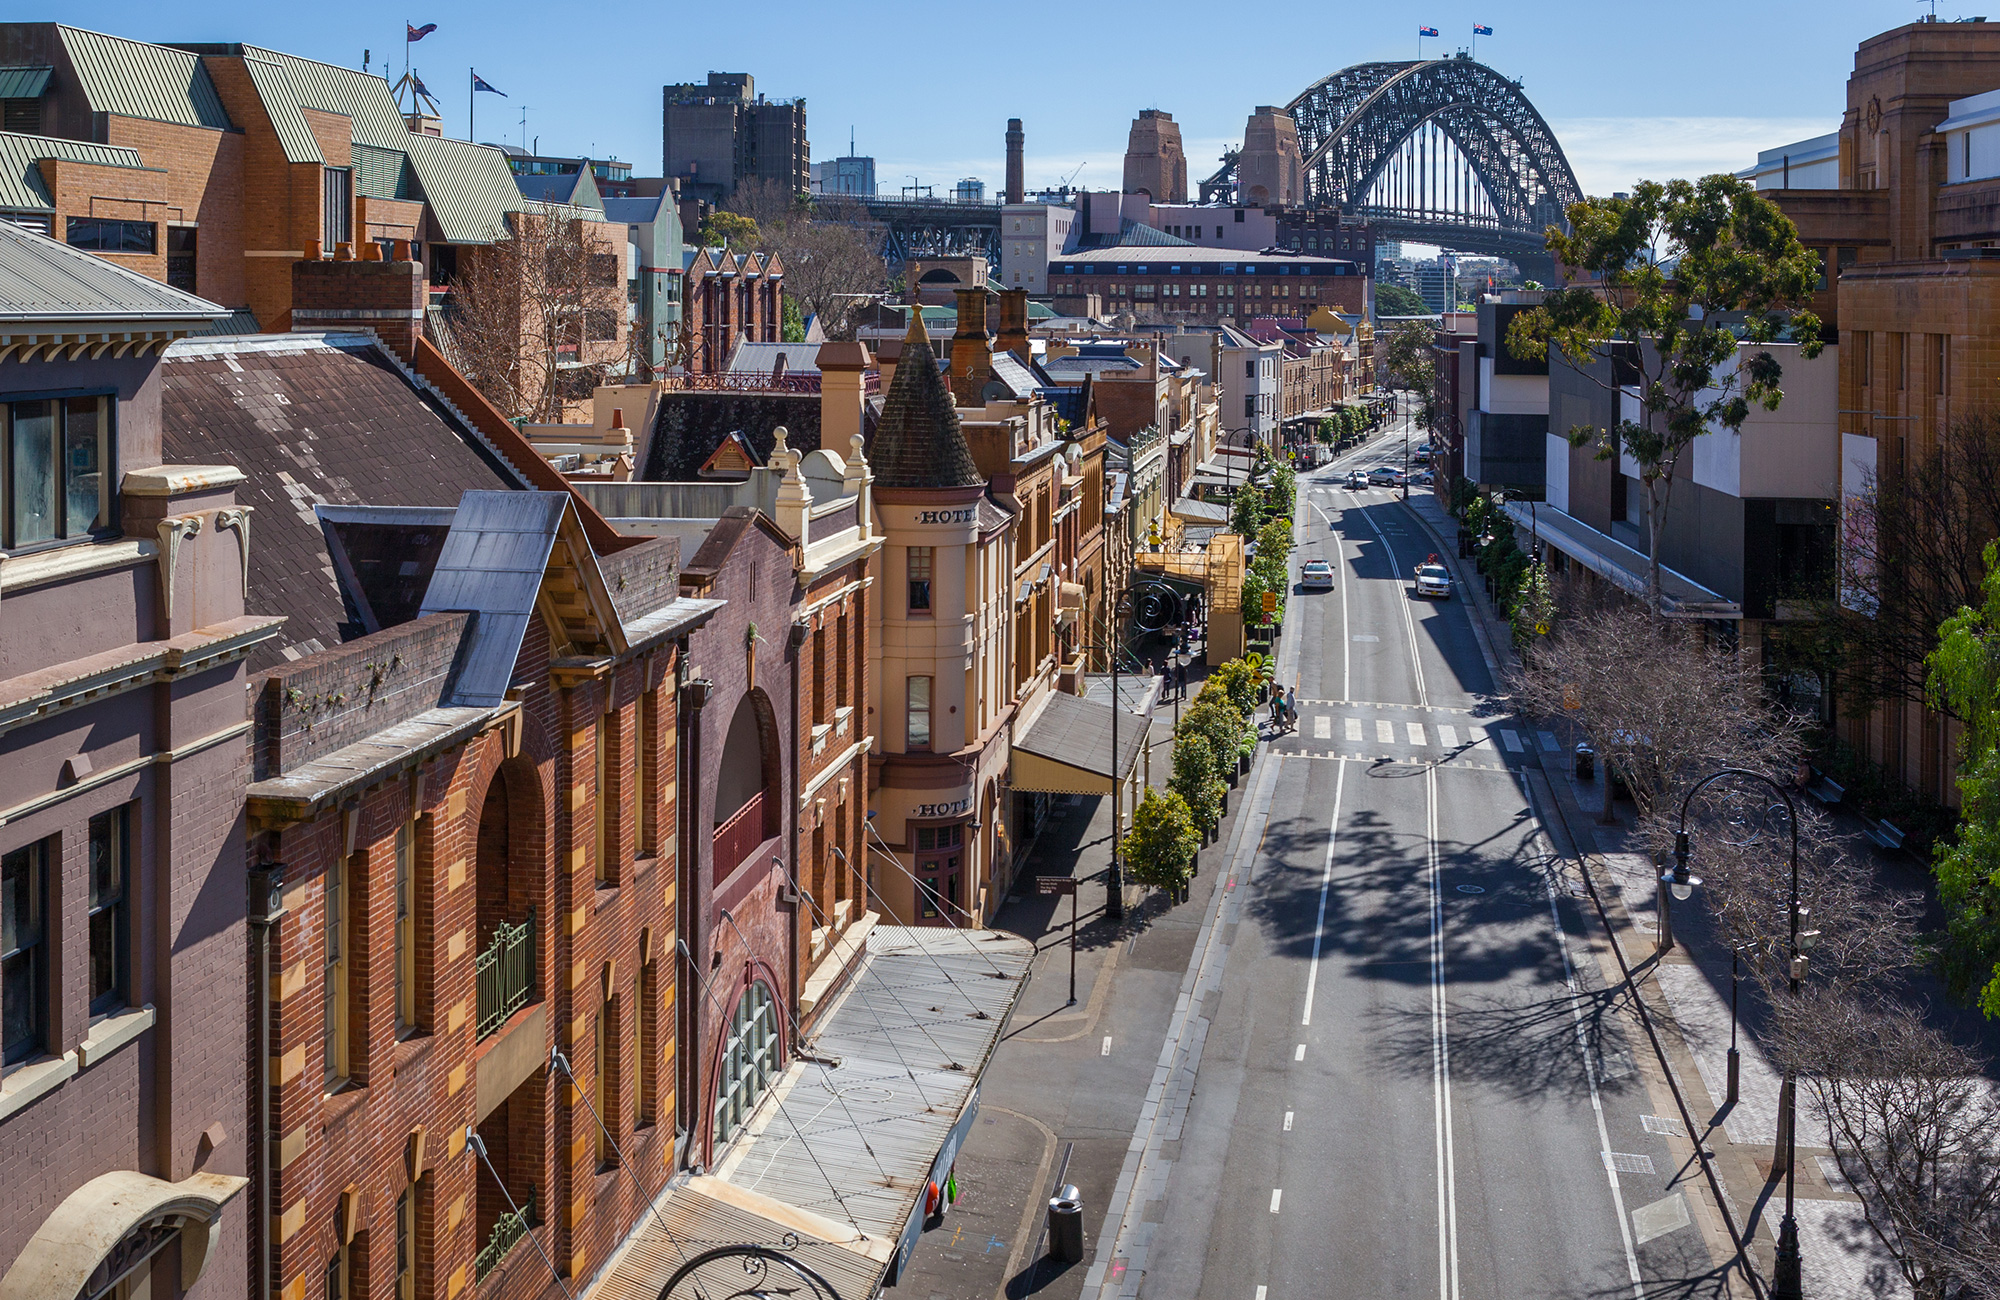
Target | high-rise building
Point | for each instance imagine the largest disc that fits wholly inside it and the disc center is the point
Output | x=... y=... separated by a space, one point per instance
x=851 y=175
x=1154 y=160
x=720 y=133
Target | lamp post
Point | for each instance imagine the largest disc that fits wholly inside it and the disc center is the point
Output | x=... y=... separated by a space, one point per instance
x=1786 y=1283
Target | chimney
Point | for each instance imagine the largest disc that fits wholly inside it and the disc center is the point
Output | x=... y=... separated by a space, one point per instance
x=842 y=375
x=384 y=297
x=1015 y=141
x=1014 y=324
x=971 y=350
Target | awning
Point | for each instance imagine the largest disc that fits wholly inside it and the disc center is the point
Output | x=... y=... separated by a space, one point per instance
x=1067 y=748
x=1201 y=512
x=24 y=83
x=1621 y=565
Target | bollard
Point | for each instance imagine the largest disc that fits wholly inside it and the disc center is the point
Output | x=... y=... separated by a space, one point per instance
x=1066 y=1225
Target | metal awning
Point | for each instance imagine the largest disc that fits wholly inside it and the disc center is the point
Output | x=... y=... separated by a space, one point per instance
x=1619 y=564
x=1066 y=749
x=1201 y=512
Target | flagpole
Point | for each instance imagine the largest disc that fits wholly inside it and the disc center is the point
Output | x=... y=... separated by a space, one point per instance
x=471 y=104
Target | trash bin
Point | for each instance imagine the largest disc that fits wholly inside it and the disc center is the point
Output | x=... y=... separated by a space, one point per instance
x=1066 y=1225
x=1585 y=764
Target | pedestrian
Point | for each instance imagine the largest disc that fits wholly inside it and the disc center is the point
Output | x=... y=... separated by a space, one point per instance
x=1180 y=680
x=1292 y=704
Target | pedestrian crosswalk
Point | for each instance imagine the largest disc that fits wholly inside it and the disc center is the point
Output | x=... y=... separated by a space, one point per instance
x=1415 y=737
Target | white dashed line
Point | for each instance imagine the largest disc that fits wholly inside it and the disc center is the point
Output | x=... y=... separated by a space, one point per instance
x=1288 y=1121
x=1277 y=1194
x=1106 y=1049
x=1300 y=1055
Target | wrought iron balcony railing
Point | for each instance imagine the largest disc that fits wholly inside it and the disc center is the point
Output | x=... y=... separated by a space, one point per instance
x=506 y=1235
x=506 y=974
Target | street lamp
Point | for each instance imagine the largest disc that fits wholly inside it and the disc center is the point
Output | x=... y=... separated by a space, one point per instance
x=1786 y=1282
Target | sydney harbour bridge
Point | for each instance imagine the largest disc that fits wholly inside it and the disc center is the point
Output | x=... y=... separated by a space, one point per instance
x=1435 y=151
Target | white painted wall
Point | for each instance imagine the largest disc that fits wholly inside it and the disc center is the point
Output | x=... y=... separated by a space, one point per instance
x=1512 y=394
x=1555 y=474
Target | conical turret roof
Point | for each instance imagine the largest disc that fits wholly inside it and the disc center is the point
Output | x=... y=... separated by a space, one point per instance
x=918 y=441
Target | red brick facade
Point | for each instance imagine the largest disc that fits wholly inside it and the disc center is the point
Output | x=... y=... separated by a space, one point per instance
x=727 y=297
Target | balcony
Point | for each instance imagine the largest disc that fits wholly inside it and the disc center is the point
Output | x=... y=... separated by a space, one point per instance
x=507 y=1233
x=506 y=974
x=737 y=838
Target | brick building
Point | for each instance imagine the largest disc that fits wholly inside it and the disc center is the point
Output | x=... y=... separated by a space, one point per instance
x=1181 y=284
x=725 y=298
x=124 y=1143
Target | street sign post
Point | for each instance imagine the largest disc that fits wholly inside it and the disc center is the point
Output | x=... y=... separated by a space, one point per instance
x=1064 y=885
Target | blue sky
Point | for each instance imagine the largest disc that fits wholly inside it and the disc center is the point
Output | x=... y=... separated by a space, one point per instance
x=1632 y=90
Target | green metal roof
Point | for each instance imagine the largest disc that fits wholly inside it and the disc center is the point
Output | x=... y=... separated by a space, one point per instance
x=135 y=79
x=21 y=184
x=469 y=187
x=24 y=83
x=382 y=173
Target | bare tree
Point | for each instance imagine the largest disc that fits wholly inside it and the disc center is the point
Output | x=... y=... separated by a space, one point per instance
x=1914 y=1128
x=832 y=262
x=537 y=315
x=1660 y=705
x=772 y=205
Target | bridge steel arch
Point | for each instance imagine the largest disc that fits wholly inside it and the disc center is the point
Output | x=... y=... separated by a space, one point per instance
x=1353 y=123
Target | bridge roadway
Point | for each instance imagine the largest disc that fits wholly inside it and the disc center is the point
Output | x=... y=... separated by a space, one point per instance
x=1403 y=1093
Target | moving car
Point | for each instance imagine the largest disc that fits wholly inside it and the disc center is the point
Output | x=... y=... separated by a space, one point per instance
x=1386 y=476
x=1356 y=480
x=1316 y=573
x=1433 y=579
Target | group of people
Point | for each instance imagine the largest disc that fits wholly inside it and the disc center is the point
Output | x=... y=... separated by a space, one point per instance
x=1285 y=709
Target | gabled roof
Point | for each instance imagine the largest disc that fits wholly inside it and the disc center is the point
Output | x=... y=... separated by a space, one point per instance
x=634 y=211
x=22 y=187
x=138 y=79
x=42 y=280
x=312 y=420
x=575 y=188
x=919 y=442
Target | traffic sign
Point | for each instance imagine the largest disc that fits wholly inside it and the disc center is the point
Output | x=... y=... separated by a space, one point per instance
x=1270 y=602
x=1055 y=884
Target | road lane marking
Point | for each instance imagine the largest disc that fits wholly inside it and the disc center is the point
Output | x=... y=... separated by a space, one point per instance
x=1106 y=1049
x=1447 y=736
x=1277 y=1194
x=1513 y=739
x=1549 y=741
x=1368 y=638
x=1409 y=619
x=1354 y=729
x=1416 y=730
x=1288 y=1121
x=1385 y=731
x=1300 y=1055
x=1447 y=1165
x=1319 y=926
x=1322 y=727
x=1346 y=650
x=1260 y=1293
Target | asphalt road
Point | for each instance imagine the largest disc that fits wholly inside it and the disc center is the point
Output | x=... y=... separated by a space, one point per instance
x=1404 y=1090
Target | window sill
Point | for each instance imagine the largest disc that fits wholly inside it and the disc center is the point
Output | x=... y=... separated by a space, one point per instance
x=29 y=1082
x=109 y=1033
x=76 y=559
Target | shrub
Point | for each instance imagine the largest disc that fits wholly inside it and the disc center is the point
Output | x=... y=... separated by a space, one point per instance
x=1164 y=839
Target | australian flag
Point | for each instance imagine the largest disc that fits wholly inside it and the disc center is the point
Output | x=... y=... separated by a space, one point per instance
x=421 y=88
x=1427 y=31
x=1481 y=29
x=479 y=83
x=418 y=33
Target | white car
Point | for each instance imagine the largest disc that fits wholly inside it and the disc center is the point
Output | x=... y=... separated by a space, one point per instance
x=1316 y=573
x=1433 y=580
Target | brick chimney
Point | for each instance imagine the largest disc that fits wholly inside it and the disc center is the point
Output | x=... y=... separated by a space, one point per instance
x=1014 y=323
x=971 y=350
x=1015 y=139
x=386 y=297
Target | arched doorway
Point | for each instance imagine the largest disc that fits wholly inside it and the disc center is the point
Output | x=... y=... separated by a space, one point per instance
x=748 y=786
x=751 y=1055
x=506 y=870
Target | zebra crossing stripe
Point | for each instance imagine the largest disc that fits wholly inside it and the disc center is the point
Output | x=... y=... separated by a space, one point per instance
x=1549 y=741
x=1385 y=731
x=1354 y=729
x=1323 y=727
x=1416 y=730
x=1447 y=736
x=1513 y=739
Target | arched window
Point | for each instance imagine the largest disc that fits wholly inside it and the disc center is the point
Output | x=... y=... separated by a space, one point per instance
x=751 y=1055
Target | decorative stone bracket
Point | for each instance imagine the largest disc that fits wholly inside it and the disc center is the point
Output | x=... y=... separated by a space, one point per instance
x=238 y=518
x=173 y=530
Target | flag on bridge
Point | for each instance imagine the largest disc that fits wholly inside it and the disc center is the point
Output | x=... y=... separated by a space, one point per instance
x=1427 y=31
x=1481 y=29
x=479 y=84
x=418 y=33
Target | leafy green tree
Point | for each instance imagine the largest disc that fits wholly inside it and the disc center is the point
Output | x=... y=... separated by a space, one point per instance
x=794 y=327
x=1220 y=723
x=1396 y=300
x=724 y=229
x=1965 y=679
x=1275 y=538
x=1327 y=430
x=1235 y=682
x=1197 y=779
x=1684 y=281
x=1160 y=849
x=1246 y=516
x=1281 y=497
x=1407 y=360
x=1534 y=605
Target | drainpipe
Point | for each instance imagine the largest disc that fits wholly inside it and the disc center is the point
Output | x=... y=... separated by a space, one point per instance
x=267 y=908
x=795 y=642
x=691 y=694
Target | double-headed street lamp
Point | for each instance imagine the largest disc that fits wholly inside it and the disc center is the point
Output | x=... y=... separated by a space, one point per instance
x=1786 y=1283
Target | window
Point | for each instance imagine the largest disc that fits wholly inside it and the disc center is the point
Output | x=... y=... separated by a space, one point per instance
x=93 y=235
x=406 y=1245
x=604 y=269
x=750 y=1059
x=406 y=930
x=336 y=207
x=644 y=1041
x=24 y=975
x=607 y=835
x=917 y=714
x=920 y=579
x=1250 y=369
x=336 y=1275
x=180 y=257
x=607 y=1071
x=110 y=926
x=647 y=713
x=1250 y=407
x=57 y=457
x=22 y=115
x=333 y=984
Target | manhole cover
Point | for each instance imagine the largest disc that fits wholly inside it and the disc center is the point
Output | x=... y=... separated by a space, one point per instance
x=1471 y=889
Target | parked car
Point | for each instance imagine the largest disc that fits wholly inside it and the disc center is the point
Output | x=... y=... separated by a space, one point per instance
x=1356 y=480
x=1386 y=476
x=1316 y=573
x=1425 y=479
x=1433 y=579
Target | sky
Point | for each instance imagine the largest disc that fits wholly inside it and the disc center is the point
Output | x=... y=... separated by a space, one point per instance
x=1632 y=91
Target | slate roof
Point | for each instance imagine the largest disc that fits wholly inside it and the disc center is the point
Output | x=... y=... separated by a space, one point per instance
x=576 y=188
x=918 y=442
x=312 y=419
x=1132 y=234
x=42 y=280
x=634 y=211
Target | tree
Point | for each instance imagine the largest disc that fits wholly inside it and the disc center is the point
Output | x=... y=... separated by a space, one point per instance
x=794 y=325
x=546 y=295
x=770 y=204
x=1198 y=779
x=1275 y=538
x=1687 y=280
x=1163 y=841
x=1281 y=497
x=833 y=262
x=1535 y=607
x=1235 y=681
x=1246 y=515
x=1965 y=678
x=1220 y=723
x=1407 y=360
x=1397 y=300
x=728 y=229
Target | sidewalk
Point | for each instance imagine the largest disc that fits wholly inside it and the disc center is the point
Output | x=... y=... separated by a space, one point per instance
x=1687 y=992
